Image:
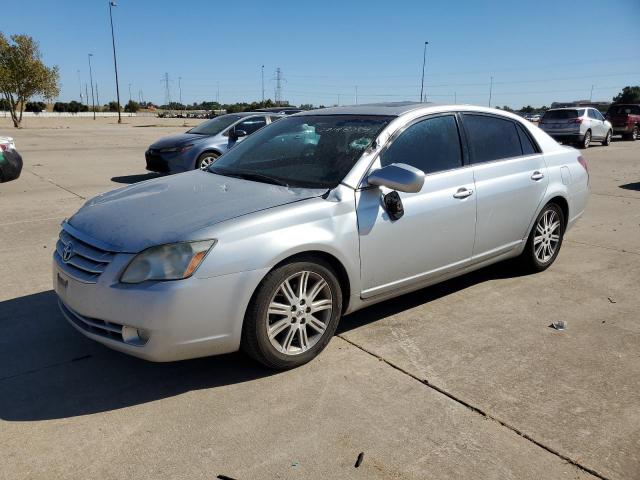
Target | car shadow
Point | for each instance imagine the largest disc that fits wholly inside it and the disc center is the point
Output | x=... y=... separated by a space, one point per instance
x=129 y=179
x=631 y=186
x=50 y=371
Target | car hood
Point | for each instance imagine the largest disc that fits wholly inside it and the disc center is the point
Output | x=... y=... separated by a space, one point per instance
x=177 y=140
x=173 y=208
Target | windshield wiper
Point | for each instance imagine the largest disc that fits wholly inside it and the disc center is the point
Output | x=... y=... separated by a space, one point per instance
x=260 y=177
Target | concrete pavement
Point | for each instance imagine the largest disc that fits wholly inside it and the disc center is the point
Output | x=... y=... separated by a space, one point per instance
x=461 y=380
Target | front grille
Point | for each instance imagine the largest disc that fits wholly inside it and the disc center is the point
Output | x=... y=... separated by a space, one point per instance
x=93 y=325
x=86 y=262
x=155 y=162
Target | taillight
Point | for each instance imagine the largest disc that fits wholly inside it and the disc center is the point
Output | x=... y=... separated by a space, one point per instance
x=583 y=162
x=4 y=147
x=576 y=120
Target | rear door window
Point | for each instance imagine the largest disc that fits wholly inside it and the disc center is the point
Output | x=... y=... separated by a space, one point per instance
x=432 y=145
x=491 y=138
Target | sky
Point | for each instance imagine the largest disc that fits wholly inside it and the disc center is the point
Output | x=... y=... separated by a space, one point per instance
x=536 y=51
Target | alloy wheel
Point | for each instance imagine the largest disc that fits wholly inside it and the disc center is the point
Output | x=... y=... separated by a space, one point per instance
x=607 y=140
x=547 y=236
x=299 y=313
x=587 y=139
x=207 y=161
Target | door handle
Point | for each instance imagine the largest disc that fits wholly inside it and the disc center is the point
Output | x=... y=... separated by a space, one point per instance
x=537 y=176
x=463 y=193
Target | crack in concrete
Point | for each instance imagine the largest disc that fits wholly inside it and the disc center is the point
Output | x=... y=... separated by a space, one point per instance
x=54 y=183
x=479 y=411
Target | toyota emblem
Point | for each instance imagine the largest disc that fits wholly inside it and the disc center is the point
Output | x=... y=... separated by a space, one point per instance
x=68 y=252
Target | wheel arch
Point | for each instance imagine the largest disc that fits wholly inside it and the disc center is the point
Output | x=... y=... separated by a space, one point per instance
x=336 y=265
x=563 y=204
x=206 y=150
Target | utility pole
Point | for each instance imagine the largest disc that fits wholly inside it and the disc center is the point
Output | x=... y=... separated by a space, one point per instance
x=129 y=92
x=80 y=83
x=591 y=94
x=86 y=93
x=97 y=96
x=93 y=101
x=490 y=91
x=263 y=85
x=424 y=61
x=167 y=91
x=115 y=63
x=356 y=94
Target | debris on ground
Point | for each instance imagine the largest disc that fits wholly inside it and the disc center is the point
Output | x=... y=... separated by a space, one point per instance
x=611 y=300
x=559 y=325
x=359 y=459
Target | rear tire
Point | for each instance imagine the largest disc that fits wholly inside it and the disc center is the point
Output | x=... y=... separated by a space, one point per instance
x=586 y=140
x=206 y=159
x=293 y=314
x=633 y=136
x=545 y=239
x=607 y=139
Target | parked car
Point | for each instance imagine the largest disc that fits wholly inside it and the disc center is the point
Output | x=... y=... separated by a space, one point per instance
x=535 y=117
x=203 y=144
x=268 y=248
x=10 y=160
x=579 y=126
x=282 y=110
x=625 y=119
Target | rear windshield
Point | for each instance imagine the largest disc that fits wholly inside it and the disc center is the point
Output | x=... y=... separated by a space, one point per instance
x=624 y=110
x=560 y=114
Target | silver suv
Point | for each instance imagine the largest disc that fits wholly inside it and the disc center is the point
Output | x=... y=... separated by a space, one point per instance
x=579 y=126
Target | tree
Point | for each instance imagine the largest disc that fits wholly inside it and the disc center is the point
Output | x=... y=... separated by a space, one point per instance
x=35 y=107
x=4 y=105
x=527 y=109
x=628 y=95
x=132 y=107
x=24 y=75
x=112 y=106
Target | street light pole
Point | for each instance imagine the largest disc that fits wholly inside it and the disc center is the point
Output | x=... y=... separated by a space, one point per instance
x=93 y=102
x=263 y=85
x=115 y=63
x=424 y=61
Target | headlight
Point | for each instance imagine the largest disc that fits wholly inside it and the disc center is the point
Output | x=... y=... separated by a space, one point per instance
x=182 y=148
x=167 y=262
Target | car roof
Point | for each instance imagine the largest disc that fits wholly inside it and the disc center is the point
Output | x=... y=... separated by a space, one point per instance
x=568 y=108
x=391 y=109
x=246 y=114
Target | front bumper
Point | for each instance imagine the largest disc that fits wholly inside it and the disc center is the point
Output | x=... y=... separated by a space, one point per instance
x=183 y=319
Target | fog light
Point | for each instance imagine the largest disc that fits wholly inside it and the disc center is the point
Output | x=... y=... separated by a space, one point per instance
x=134 y=336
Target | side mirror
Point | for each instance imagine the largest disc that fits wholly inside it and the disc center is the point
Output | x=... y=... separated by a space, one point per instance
x=234 y=134
x=398 y=176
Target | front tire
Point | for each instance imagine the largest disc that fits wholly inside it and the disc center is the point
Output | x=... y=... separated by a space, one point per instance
x=293 y=314
x=607 y=140
x=545 y=239
x=206 y=159
x=586 y=140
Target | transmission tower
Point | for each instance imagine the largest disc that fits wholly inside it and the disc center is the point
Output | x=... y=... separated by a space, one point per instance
x=279 y=80
x=167 y=89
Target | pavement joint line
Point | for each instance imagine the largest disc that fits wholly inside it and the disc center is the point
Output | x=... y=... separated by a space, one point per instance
x=478 y=410
x=54 y=183
x=46 y=367
x=29 y=221
x=616 y=196
x=602 y=246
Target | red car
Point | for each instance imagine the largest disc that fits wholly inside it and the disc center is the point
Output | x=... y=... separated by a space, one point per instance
x=625 y=119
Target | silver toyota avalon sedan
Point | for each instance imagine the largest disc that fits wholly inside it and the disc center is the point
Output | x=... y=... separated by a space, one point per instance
x=314 y=216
